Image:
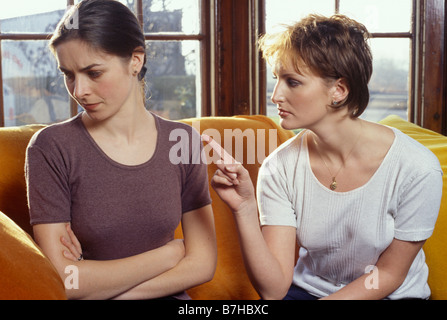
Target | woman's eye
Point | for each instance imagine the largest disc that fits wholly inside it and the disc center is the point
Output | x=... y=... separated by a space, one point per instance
x=94 y=74
x=68 y=76
x=293 y=83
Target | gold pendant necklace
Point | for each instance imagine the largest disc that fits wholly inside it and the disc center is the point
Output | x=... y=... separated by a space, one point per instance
x=333 y=186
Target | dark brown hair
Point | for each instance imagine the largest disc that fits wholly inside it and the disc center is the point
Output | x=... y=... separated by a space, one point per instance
x=106 y=25
x=333 y=48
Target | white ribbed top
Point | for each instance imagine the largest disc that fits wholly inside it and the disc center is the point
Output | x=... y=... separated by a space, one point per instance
x=341 y=234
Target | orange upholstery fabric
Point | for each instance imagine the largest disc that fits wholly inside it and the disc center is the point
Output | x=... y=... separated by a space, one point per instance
x=21 y=260
x=25 y=273
x=231 y=281
x=13 y=143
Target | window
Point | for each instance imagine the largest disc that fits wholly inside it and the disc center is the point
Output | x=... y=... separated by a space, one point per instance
x=391 y=43
x=219 y=71
x=32 y=90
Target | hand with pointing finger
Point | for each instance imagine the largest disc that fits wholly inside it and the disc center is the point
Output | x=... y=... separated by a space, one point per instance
x=231 y=181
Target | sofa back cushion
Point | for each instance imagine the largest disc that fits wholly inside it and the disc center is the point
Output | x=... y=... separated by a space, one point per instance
x=248 y=139
x=251 y=138
x=13 y=202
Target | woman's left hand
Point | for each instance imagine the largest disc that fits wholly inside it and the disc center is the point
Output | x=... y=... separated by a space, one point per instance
x=74 y=250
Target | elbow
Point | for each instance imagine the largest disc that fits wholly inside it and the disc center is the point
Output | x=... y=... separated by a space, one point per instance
x=73 y=295
x=71 y=280
x=210 y=273
x=204 y=270
x=273 y=290
x=69 y=276
x=209 y=265
x=205 y=277
x=277 y=295
x=207 y=271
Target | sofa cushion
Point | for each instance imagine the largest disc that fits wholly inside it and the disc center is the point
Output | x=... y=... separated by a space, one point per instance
x=13 y=143
x=26 y=274
x=231 y=281
x=434 y=248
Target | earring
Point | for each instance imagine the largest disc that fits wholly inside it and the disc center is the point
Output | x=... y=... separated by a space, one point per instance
x=135 y=72
x=335 y=103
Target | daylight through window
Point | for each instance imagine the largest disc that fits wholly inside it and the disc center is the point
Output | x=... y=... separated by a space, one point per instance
x=33 y=90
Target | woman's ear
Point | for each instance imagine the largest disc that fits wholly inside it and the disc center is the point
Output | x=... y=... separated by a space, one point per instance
x=340 y=90
x=137 y=60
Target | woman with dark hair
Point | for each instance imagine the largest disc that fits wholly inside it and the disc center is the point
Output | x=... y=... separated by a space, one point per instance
x=358 y=198
x=104 y=197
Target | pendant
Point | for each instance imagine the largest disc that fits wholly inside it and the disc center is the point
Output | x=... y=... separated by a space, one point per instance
x=333 y=185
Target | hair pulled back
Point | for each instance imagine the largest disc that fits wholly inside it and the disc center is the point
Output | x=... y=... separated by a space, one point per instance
x=105 y=25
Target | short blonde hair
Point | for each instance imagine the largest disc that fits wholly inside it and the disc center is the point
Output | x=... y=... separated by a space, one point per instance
x=332 y=47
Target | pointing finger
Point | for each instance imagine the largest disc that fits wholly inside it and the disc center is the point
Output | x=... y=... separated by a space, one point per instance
x=224 y=155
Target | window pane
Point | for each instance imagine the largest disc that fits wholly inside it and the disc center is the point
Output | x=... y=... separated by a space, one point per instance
x=288 y=11
x=389 y=85
x=380 y=15
x=33 y=90
x=129 y=3
x=31 y=16
x=173 y=79
x=171 y=16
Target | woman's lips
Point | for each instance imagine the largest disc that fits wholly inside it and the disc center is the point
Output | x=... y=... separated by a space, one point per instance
x=91 y=106
x=283 y=113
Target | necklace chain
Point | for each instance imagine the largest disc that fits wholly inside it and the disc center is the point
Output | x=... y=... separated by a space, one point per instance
x=333 y=186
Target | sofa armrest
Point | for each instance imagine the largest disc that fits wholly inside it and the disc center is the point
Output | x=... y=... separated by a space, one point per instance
x=26 y=274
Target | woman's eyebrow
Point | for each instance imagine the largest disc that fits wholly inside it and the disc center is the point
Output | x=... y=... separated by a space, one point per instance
x=291 y=75
x=83 y=69
x=90 y=67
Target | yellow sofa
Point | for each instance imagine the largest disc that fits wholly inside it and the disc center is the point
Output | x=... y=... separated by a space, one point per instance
x=25 y=273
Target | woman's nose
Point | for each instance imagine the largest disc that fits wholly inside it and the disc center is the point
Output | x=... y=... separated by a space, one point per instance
x=81 y=88
x=277 y=96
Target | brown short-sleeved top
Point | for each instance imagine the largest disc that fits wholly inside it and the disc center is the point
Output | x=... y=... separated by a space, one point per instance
x=115 y=210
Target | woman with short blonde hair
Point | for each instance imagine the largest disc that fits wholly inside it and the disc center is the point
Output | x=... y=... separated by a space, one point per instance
x=354 y=196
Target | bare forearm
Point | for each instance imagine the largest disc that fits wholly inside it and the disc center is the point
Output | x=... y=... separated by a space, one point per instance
x=269 y=278
x=269 y=261
x=375 y=286
x=196 y=267
x=387 y=276
x=105 y=279
x=188 y=273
